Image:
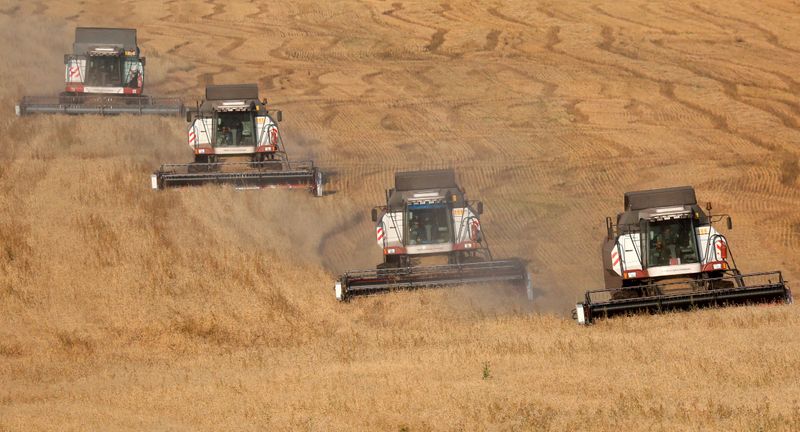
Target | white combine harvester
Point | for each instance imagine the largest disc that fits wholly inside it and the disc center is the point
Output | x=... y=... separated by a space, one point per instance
x=104 y=75
x=663 y=253
x=430 y=236
x=236 y=140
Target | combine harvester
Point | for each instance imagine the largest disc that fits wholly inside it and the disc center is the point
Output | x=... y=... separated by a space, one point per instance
x=234 y=126
x=104 y=75
x=664 y=254
x=431 y=236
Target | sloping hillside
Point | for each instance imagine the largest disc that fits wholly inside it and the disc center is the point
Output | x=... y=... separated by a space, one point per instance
x=125 y=308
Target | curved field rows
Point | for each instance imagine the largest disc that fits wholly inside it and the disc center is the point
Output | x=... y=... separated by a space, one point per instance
x=121 y=308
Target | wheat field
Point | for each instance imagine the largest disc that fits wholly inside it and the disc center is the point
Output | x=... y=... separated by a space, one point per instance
x=123 y=308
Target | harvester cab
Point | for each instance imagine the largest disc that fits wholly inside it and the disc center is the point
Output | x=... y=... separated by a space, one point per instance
x=427 y=216
x=232 y=123
x=235 y=140
x=104 y=75
x=104 y=61
x=664 y=252
x=430 y=235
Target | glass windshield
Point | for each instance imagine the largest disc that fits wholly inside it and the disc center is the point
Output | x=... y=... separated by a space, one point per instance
x=671 y=242
x=103 y=71
x=235 y=129
x=428 y=224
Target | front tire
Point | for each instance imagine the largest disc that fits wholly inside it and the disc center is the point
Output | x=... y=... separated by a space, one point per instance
x=201 y=164
x=628 y=292
x=68 y=98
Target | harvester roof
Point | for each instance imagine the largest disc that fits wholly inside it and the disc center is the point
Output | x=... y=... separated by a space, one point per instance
x=89 y=38
x=667 y=197
x=432 y=179
x=230 y=97
x=658 y=203
x=425 y=186
x=231 y=91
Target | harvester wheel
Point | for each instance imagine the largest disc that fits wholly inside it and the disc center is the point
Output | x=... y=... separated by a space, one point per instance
x=626 y=294
x=199 y=167
x=65 y=98
x=136 y=100
x=203 y=163
x=721 y=284
x=258 y=161
x=381 y=269
x=388 y=264
x=472 y=259
x=465 y=258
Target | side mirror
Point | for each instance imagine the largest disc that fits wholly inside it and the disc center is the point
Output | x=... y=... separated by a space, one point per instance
x=189 y=114
x=479 y=208
x=730 y=223
x=66 y=58
x=374 y=215
x=279 y=116
x=708 y=206
x=142 y=59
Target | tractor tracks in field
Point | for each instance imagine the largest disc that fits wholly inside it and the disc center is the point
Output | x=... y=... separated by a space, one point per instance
x=672 y=87
x=222 y=62
x=760 y=195
x=770 y=37
x=40 y=8
x=11 y=11
x=788 y=117
x=394 y=103
x=437 y=39
x=216 y=9
x=667 y=87
x=552 y=38
x=508 y=19
x=598 y=9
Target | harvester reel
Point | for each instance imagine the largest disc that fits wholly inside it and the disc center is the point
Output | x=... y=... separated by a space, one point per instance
x=738 y=289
